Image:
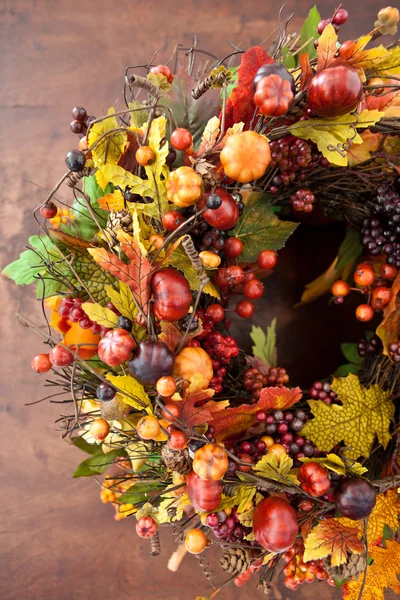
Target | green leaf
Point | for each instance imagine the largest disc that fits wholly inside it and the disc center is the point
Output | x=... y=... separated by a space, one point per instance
x=101 y=315
x=29 y=265
x=308 y=33
x=180 y=260
x=98 y=463
x=84 y=226
x=350 y=352
x=140 y=492
x=344 y=370
x=288 y=59
x=139 y=117
x=232 y=82
x=83 y=445
x=350 y=249
x=265 y=344
x=94 y=191
x=260 y=229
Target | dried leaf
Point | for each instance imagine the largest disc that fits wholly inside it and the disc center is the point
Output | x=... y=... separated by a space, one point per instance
x=196 y=406
x=230 y=423
x=327 y=48
x=389 y=329
x=376 y=61
x=331 y=538
x=332 y=136
x=210 y=134
x=364 y=414
x=259 y=227
x=170 y=335
x=101 y=315
x=109 y=144
x=132 y=392
x=381 y=573
x=277 y=470
x=386 y=512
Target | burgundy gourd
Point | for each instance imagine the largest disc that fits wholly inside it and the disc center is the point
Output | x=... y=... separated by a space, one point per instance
x=172 y=297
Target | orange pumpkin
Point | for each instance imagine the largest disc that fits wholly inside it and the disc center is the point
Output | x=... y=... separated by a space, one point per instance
x=184 y=186
x=191 y=361
x=210 y=462
x=245 y=156
x=76 y=336
x=273 y=96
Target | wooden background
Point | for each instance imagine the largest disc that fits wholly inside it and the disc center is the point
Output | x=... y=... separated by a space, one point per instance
x=58 y=542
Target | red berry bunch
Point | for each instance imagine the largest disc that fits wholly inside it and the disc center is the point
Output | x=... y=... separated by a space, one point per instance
x=227 y=527
x=339 y=18
x=71 y=310
x=324 y=392
x=297 y=571
x=254 y=380
x=303 y=201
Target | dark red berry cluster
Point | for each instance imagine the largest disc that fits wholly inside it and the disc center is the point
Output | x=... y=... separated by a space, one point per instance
x=394 y=349
x=81 y=121
x=339 y=18
x=71 y=310
x=324 y=392
x=303 y=201
x=227 y=528
x=254 y=380
x=365 y=346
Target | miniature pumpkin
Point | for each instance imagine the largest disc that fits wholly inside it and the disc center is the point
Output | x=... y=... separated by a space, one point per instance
x=203 y=495
x=273 y=96
x=245 y=156
x=191 y=361
x=314 y=479
x=184 y=186
x=76 y=336
x=146 y=527
x=275 y=524
x=210 y=462
x=116 y=347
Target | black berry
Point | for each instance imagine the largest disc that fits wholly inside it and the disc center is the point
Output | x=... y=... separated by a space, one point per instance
x=214 y=201
x=79 y=113
x=125 y=323
x=105 y=392
x=75 y=160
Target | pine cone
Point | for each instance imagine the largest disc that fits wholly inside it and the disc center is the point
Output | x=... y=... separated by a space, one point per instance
x=235 y=560
x=121 y=219
x=351 y=570
x=176 y=460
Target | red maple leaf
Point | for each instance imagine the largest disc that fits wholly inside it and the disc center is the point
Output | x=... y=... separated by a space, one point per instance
x=240 y=104
x=232 y=422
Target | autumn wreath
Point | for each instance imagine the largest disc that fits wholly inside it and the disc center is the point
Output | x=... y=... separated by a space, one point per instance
x=181 y=200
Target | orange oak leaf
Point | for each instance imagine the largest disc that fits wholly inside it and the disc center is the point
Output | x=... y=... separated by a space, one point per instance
x=389 y=329
x=196 y=406
x=386 y=512
x=240 y=104
x=230 y=423
x=114 y=201
x=171 y=335
x=136 y=273
x=326 y=48
x=381 y=573
x=306 y=71
x=331 y=538
x=359 y=153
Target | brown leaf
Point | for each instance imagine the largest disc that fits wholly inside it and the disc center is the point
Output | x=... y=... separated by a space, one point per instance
x=389 y=329
x=331 y=538
x=306 y=71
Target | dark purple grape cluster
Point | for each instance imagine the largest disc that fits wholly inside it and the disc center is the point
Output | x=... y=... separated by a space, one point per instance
x=394 y=349
x=380 y=234
x=212 y=240
x=373 y=236
x=365 y=346
x=323 y=391
x=227 y=528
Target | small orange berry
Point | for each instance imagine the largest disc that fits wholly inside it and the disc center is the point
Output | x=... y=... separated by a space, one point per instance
x=148 y=427
x=145 y=156
x=340 y=288
x=166 y=386
x=195 y=541
x=100 y=428
x=364 y=275
x=364 y=312
x=278 y=450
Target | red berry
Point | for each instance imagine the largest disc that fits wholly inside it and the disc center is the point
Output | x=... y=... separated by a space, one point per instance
x=381 y=297
x=364 y=275
x=79 y=113
x=225 y=217
x=116 y=347
x=322 y=25
x=253 y=289
x=267 y=259
x=177 y=440
x=340 y=17
x=216 y=312
x=164 y=70
x=245 y=458
x=233 y=247
x=172 y=219
x=41 y=363
x=364 y=312
x=387 y=271
x=181 y=139
x=261 y=416
x=61 y=357
x=48 y=210
x=244 y=309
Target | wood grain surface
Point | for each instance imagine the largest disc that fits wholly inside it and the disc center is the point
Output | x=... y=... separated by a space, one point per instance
x=58 y=542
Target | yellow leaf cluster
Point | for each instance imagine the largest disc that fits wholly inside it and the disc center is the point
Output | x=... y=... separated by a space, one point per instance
x=382 y=573
x=331 y=538
x=101 y=315
x=332 y=136
x=131 y=391
x=242 y=497
x=364 y=414
x=112 y=202
x=108 y=143
x=386 y=512
x=278 y=470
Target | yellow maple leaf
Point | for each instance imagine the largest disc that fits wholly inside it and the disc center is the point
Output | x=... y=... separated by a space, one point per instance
x=114 y=201
x=386 y=512
x=278 y=470
x=156 y=136
x=332 y=136
x=100 y=314
x=327 y=47
x=108 y=143
x=131 y=391
x=382 y=573
x=363 y=414
x=331 y=538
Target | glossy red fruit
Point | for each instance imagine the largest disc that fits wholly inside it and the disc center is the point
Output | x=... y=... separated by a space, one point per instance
x=273 y=96
x=267 y=259
x=150 y=361
x=244 y=309
x=177 y=440
x=181 y=139
x=60 y=357
x=146 y=527
x=216 y=312
x=381 y=297
x=48 y=210
x=225 y=217
x=275 y=524
x=164 y=70
x=116 y=347
x=387 y=271
x=314 y=479
x=354 y=498
x=253 y=289
x=172 y=219
x=41 y=363
x=233 y=247
x=204 y=495
x=334 y=92
x=172 y=296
